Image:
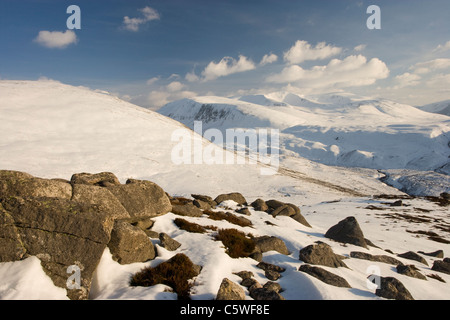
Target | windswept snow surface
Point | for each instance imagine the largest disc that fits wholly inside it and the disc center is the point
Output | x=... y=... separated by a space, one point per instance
x=52 y=130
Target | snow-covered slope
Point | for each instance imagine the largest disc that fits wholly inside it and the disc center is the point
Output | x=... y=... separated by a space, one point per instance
x=442 y=107
x=333 y=129
x=53 y=130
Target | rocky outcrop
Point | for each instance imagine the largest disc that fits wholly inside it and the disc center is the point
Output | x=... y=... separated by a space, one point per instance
x=442 y=266
x=167 y=242
x=377 y=258
x=229 y=290
x=410 y=271
x=71 y=223
x=278 y=208
x=142 y=199
x=321 y=254
x=413 y=256
x=201 y=204
x=347 y=231
x=270 y=243
x=206 y=199
x=102 y=179
x=270 y=267
x=392 y=288
x=187 y=210
x=234 y=196
x=259 y=205
x=265 y=294
x=61 y=233
x=436 y=254
x=130 y=244
x=21 y=184
x=185 y=207
x=101 y=197
x=270 y=291
x=325 y=276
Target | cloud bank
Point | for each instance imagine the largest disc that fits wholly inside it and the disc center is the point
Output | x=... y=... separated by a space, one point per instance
x=355 y=70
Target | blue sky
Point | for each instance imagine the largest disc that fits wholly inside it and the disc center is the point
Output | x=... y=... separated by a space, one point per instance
x=153 y=52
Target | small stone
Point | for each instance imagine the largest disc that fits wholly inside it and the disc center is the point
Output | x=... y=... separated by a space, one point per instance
x=413 y=256
x=437 y=254
x=347 y=231
x=230 y=291
x=441 y=266
x=321 y=253
x=270 y=267
x=168 y=243
x=325 y=276
x=259 y=205
x=244 y=274
x=235 y=196
x=244 y=211
x=265 y=294
x=272 y=286
x=410 y=271
x=272 y=275
x=248 y=282
x=391 y=288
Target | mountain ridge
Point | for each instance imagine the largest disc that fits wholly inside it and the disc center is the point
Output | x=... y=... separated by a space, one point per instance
x=333 y=129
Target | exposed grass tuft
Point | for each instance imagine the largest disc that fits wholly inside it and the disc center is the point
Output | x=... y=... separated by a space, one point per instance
x=192 y=227
x=237 y=243
x=174 y=272
x=240 y=221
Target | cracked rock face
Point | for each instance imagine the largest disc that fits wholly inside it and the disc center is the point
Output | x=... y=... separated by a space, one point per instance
x=67 y=225
x=61 y=233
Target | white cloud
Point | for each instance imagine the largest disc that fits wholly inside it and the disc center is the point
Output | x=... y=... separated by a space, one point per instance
x=440 y=83
x=359 y=48
x=159 y=98
x=56 y=39
x=407 y=79
x=442 y=48
x=268 y=58
x=46 y=79
x=227 y=66
x=174 y=76
x=352 y=71
x=175 y=86
x=432 y=65
x=303 y=51
x=191 y=77
x=288 y=74
x=150 y=13
x=152 y=81
x=133 y=24
x=175 y=90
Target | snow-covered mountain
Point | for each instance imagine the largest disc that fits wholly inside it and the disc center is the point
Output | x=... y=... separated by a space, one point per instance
x=52 y=130
x=442 y=107
x=334 y=129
